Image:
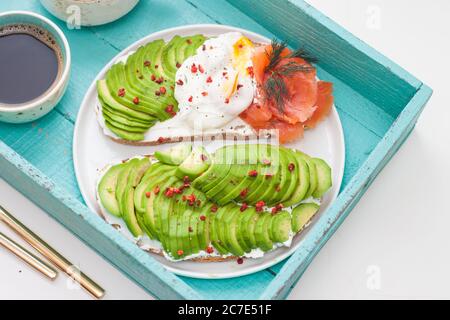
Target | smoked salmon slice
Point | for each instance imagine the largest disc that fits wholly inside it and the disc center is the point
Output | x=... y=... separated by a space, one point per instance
x=324 y=104
x=302 y=93
x=287 y=132
x=257 y=116
x=290 y=98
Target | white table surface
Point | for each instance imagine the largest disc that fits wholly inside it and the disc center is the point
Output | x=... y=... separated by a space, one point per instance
x=394 y=244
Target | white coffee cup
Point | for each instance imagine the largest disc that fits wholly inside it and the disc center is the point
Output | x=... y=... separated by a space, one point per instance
x=91 y=12
x=40 y=106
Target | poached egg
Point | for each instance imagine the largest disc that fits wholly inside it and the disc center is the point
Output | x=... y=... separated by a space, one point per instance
x=216 y=84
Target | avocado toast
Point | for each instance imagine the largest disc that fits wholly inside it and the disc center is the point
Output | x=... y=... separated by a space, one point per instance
x=240 y=201
x=139 y=99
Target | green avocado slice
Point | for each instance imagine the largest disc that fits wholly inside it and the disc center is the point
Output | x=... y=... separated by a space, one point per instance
x=262 y=235
x=149 y=69
x=108 y=99
x=154 y=105
x=136 y=170
x=221 y=227
x=280 y=227
x=141 y=166
x=235 y=233
x=146 y=59
x=324 y=180
x=149 y=102
x=215 y=193
x=146 y=90
x=147 y=202
x=128 y=212
x=241 y=158
x=237 y=158
x=157 y=67
x=183 y=233
x=193 y=231
x=165 y=210
x=179 y=209
x=160 y=206
x=179 y=52
x=292 y=174
x=195 y=42
x=312 y=174
x=107 y=189
x=216 y=240
x=195 y=164
x=283 y=180
x=194 y=220
x=302 y=214
x=124 y=118
x=168 y=58
x=152 y=175
x=124 y=127
x=268 y=169
x=148 y=218
x=212 y=177
x=201 y=181
x=218 y=169
x=173 y=237
x=130 y=136
x=174 y=155
x=235 y=184
x=122 y=179
x=302 y=182
x=246 y=232
x=231 y=229
x=141 y=223
x=203 y=229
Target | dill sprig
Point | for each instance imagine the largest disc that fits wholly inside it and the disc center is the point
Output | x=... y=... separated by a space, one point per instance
x=292 y=67
x=275 y=55
x=302 y=53
x=275 y=86
x=276 y=90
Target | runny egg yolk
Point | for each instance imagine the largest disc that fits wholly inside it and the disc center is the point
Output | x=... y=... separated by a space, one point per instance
x=242 y=54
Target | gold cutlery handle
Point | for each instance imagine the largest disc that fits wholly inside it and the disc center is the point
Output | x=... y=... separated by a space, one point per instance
x=51 y=254
x=28 y=257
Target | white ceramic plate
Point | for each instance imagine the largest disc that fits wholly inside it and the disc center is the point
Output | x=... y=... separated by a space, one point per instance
x=92 y=151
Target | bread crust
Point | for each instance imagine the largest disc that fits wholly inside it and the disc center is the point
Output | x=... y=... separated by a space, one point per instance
x=228 y=136
x=199 y=259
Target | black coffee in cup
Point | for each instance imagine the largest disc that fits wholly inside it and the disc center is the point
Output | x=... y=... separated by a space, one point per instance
x=31 y=62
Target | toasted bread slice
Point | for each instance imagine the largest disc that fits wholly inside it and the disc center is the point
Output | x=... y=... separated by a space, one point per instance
x=157 y=135
x=235 y=130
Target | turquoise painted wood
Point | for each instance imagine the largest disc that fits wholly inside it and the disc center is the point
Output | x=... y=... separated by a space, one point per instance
x=378 y=103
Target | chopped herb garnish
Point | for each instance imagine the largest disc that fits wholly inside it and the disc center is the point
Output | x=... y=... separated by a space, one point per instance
x=275 y=86
x=301 y=53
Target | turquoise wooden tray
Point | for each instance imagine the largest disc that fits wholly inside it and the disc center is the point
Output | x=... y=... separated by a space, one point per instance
x=378 y=103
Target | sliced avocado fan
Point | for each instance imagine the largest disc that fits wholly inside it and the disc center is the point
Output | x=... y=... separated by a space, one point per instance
x=140 y=92
x=229 y=202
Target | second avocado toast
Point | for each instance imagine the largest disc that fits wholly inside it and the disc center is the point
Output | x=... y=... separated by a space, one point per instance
x=241 y=201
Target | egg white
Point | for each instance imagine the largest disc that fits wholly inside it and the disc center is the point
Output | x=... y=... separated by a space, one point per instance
x=209 y=104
